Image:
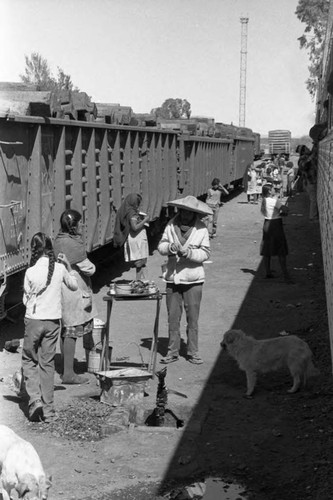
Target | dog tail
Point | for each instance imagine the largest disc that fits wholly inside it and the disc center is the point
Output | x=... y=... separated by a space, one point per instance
x=310 y=371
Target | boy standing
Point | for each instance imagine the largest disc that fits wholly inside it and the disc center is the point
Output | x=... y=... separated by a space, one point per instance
x=213 y=200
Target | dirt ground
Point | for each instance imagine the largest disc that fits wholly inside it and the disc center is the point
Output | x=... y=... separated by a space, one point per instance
x=276 y=445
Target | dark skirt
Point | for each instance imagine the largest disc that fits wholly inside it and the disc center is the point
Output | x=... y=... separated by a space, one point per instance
x=273 y=239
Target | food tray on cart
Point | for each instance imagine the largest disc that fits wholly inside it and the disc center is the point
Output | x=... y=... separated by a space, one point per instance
x=133 y=289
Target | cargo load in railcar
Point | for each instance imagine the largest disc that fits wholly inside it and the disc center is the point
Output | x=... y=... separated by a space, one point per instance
x=279 y=142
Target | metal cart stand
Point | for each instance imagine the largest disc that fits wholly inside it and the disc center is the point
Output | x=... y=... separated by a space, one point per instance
x=157 y=297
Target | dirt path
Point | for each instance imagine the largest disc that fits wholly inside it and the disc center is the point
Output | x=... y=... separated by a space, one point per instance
x=276 y=445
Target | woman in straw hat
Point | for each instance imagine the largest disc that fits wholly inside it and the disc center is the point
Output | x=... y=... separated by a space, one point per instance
x=186 y=243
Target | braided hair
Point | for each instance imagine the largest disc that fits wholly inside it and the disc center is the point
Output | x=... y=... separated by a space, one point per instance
x=42 y=245
x=69 y=221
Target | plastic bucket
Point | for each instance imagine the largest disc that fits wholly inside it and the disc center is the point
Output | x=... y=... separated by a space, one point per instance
x=94 y=359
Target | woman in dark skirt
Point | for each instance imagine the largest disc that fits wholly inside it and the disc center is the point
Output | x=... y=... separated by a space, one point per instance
x=273 y=241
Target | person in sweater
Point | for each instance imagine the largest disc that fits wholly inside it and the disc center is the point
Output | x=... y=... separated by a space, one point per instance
x=78 y=307
x=43 y=283
x=185 y=242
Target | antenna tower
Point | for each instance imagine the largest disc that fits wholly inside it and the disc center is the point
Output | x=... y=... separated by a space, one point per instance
x=243 y=60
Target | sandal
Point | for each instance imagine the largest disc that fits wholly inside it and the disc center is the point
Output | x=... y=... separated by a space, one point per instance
x=169 y=359
x=195 y=359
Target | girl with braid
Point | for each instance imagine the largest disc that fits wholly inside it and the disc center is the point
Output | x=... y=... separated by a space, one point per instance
x=43 y=282
x=78 y=308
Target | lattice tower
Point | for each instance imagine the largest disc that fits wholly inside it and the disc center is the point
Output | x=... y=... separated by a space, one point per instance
x=243 y=61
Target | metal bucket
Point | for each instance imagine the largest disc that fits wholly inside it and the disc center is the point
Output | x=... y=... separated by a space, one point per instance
x=97 y=334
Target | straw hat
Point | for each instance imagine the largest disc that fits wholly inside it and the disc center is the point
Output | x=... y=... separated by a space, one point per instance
x=191 y=203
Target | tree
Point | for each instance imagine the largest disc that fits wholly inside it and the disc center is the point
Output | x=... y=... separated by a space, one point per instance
x=37 y=72
x=314 y=13
x=64 y=81
x=173 y=108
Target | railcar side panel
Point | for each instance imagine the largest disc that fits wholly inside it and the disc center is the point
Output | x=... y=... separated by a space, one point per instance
x=243 y=156
x=105 y=188
x=144 y=169
x=202 y=160
x=14 y=177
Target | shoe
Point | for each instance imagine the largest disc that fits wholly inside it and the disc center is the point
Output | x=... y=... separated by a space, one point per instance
x=75 y=380
x=36 y=411
x=169 y=359
x=195 y=359
x=269 y=276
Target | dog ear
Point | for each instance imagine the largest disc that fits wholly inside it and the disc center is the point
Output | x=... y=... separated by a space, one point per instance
x=27 y=483
x=228 y=337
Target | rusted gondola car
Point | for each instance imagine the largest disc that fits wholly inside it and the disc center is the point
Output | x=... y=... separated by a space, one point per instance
x=49 y=164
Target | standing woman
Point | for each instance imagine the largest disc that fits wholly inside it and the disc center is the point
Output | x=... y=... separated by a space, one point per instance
x=130 y=232
x=259 y=179
x=186 y=243
x=43 y=283
x=250 y=183
x=273 y=241
x=78 y=309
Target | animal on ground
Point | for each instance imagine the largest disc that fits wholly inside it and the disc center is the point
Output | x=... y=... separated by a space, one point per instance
x=262 y=356
x=21 y=468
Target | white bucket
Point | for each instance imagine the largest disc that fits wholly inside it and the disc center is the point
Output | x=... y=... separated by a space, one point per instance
x=94 y=359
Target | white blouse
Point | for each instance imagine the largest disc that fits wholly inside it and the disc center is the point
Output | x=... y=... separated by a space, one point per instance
x=273 y=206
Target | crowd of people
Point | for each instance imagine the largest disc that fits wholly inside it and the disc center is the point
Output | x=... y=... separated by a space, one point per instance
x=57 y=285
x=278 y=172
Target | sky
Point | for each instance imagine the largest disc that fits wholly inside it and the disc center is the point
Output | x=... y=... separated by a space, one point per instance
x=141 y=52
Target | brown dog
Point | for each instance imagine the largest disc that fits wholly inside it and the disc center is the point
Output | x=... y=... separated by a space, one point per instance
x=261 y=356
x=21 y=468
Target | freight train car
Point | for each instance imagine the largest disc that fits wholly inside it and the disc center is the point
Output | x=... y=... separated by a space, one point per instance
x=279 y=142
x=50 y=164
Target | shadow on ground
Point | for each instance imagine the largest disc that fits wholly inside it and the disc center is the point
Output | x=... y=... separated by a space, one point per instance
x=274 y=444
